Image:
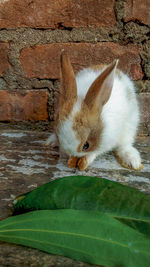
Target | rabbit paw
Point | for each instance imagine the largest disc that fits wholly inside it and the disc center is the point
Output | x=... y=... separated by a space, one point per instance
x=82 y=163
x=129 y=158
x=72 y=162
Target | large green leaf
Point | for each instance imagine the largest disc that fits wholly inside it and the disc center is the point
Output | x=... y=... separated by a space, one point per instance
x=88 y=236
x=128 y=205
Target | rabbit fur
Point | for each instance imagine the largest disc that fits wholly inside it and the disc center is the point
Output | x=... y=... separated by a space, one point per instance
x=98 y=112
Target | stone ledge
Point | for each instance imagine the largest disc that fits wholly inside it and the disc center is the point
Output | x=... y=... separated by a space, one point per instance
x=26 y=164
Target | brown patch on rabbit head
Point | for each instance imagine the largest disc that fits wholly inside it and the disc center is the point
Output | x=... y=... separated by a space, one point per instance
x=68 y=90
x=87 y=122
x=88 y=127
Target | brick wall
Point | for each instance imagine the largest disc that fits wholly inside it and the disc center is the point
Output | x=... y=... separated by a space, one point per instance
x=33 y=32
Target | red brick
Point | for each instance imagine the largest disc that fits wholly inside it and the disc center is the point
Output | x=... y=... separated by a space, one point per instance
x=144 y=99
x=138 y=10
x=51 y=14
x=43 y=61
x=4 y=64
x=17 y=107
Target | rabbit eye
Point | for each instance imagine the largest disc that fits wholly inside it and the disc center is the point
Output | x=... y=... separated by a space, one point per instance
x=86 y=146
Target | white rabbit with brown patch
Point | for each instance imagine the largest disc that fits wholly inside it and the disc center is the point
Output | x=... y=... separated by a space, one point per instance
x=98 y=112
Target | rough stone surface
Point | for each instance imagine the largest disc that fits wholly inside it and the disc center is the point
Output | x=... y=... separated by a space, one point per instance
x=145 y=107
x=55 y=14
x=138 y=10
x=15 y=106
x=143 y=86
x=4 y=63
x=43 y=61
x=135 y=32
x=146 y=58
x=26 y=164
x=17 y=256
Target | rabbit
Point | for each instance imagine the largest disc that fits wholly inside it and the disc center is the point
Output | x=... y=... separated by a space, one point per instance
x=98 y=112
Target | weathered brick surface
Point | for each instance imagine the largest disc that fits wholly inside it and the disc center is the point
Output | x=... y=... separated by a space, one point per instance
x=17 y=107
x=138 y=10
x=52 y=14
x=34 y=32
x=4 y=64
x=43 y=61
x=144 y=99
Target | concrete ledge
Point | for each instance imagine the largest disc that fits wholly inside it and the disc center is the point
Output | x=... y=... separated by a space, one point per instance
x=26 y=164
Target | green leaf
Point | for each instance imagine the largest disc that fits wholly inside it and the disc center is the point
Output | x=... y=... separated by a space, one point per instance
x=128 y=205
x=82 y=235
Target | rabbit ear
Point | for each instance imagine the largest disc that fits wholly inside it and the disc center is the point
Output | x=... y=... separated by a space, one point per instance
x=68 y=91
x=100 y=90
